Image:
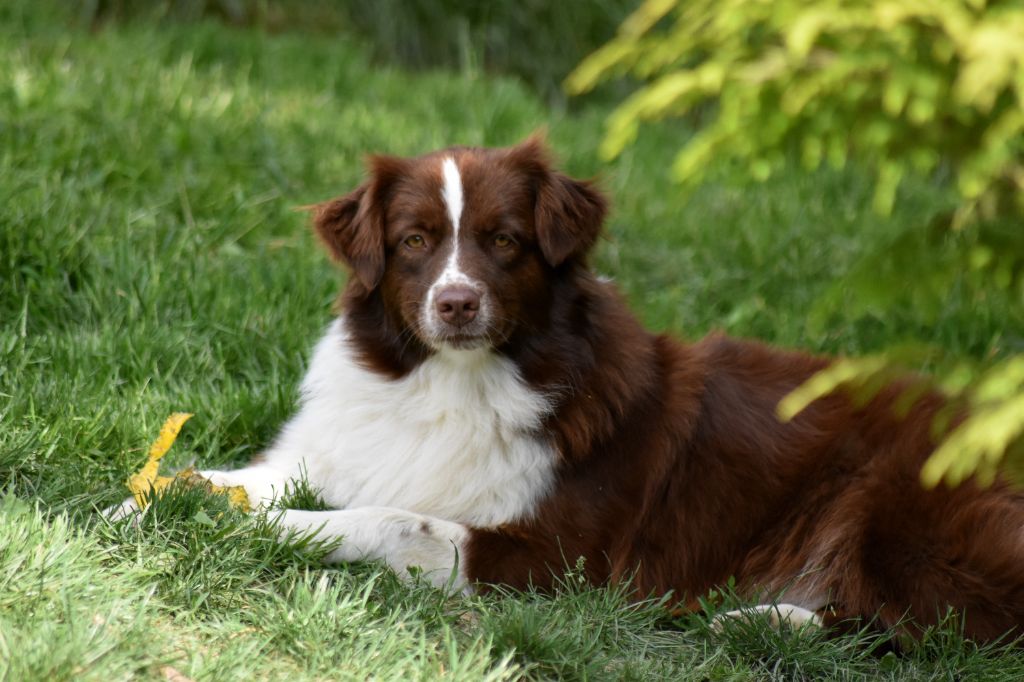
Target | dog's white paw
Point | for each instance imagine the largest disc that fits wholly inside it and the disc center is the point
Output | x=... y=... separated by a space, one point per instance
x=777 y=615
x=123 y=510
x=263 y=485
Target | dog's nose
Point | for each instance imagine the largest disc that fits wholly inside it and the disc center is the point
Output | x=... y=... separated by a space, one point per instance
x=457 y=305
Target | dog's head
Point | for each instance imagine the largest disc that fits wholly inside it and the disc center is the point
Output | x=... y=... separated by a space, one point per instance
x=460 y=244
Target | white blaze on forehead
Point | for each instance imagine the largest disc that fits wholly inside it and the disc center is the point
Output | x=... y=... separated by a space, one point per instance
x=451 y=192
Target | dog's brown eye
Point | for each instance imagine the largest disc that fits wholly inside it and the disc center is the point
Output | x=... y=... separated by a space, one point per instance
x=503 y=241
x=415 y=241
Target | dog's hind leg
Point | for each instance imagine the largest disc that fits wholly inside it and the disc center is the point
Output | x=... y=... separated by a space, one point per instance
x=776 y=615
x=404 y=540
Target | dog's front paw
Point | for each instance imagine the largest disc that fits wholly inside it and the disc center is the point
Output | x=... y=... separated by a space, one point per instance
x=129 y=509
x=776 y=615
x=249 y=488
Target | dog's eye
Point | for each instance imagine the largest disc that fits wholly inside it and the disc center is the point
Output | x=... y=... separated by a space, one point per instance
x=503 y=241
x=415 y=241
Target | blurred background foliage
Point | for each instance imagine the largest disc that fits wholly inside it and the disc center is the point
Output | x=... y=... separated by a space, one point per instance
x=905 y=87
x=537 y=40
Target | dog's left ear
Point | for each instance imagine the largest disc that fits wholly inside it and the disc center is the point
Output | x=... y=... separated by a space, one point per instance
x=568 y=213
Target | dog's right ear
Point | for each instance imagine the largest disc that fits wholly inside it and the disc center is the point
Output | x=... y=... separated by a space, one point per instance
x=353 y=233
x=352 y=226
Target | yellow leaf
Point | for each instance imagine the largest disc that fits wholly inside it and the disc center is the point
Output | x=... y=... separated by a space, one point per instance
x=145 y=481
x=237 y=497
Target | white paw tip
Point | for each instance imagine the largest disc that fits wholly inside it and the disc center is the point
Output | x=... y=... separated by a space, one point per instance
x=777 y=615
x=123 y=510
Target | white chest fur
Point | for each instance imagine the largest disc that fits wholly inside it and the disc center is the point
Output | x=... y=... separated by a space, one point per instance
x=456 y=438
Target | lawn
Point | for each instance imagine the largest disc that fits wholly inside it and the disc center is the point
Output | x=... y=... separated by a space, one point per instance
x=152 y=261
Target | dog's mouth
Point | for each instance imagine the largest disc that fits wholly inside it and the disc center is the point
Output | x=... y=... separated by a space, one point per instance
x=462 y=339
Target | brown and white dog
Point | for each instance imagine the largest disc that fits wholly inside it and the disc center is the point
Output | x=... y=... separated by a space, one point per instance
x=486 y=408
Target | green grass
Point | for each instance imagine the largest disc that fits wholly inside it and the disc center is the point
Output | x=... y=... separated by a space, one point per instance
x=151 y=261
x=536 y=40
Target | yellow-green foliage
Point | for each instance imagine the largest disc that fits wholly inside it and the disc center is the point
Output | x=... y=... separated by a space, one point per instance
x=908 y=84
x=976 y=447
x=995 y=430
x=904 y=86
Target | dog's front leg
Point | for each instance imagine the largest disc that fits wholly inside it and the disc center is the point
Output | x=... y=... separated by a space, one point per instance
x=262 y=483
x=402 y=539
